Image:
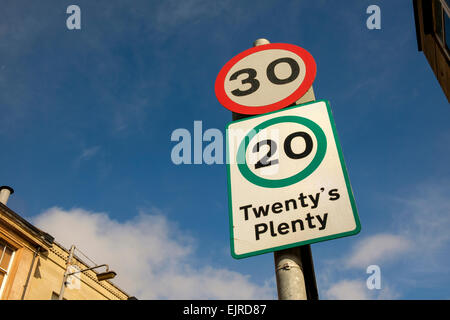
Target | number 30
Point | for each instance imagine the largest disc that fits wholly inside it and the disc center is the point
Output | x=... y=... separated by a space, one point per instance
x=270 y=72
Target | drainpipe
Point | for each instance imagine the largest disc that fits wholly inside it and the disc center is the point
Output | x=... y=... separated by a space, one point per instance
x=36 y=253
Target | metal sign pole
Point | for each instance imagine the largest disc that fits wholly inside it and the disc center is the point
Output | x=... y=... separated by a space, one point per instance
x=294 y=268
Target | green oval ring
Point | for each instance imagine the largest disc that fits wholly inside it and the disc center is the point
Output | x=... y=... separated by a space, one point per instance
x=267 y=183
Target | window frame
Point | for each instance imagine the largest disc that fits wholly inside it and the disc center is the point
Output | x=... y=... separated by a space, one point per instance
x=445 y=10
x=8 y=269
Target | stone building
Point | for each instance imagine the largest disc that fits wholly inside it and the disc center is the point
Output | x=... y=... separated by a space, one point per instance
x=433 y=37
x=33 y=264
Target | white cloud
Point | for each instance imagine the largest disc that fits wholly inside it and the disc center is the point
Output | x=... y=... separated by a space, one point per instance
x=88 y=153
x=348 y=290
x=377 y=249
x=357 y=290
x=156 y=260
x=420 y=227
x=153 y=258
x=85 y=155
x=420 y=224
x=426 y=217
x=386 y=293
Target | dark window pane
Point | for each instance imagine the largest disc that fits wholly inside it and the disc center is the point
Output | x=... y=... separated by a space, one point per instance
x=447 y=30
x=438 y=19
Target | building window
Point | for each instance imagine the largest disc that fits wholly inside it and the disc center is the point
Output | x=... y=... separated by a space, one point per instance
x=438 y=28
x=6 y=257
x=442 y=23
x=447 y=31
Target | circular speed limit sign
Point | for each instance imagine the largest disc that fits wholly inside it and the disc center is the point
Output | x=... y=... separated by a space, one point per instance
x=265 y=78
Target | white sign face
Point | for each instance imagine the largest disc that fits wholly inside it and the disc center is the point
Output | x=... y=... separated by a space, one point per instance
x=287 y=180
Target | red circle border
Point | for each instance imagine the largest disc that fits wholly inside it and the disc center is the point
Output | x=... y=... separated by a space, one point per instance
x=310 y=75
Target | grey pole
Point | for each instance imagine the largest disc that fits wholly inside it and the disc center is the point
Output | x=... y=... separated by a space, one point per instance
x=294 y=268
x=289 y=274
x=66 y=273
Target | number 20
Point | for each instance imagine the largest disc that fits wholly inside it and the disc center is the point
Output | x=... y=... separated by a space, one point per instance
x=265 y=162
x=270 y=72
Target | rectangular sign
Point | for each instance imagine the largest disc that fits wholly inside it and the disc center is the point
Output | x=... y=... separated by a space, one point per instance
x=287 y=181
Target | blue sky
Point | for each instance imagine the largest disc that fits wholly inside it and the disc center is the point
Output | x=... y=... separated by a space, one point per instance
x=87 y=117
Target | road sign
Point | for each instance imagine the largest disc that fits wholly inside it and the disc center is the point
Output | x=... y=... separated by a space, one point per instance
x=265 y=78
x=287 y=181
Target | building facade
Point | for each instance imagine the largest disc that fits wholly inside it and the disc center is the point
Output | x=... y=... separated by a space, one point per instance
x=433 y=37
x=33 y=264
